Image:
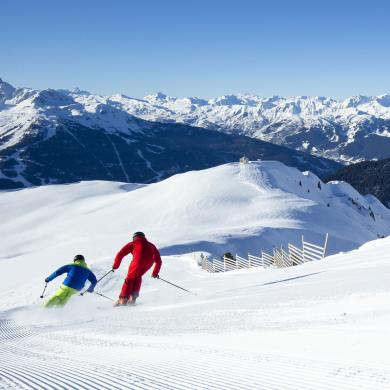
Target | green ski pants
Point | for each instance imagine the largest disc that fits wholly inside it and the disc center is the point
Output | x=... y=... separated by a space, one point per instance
x=61 y=297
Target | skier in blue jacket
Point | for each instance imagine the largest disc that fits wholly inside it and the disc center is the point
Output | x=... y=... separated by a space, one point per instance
x=77 y=274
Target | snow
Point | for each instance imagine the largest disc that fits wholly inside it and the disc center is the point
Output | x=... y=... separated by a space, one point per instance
x=234 y=207
x=321 y=325
x=159 y=175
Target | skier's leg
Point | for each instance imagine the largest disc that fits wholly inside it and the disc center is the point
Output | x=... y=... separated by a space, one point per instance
x=125 y=292
x=136 y=289
x=61 y=297
x=55 y=299
x=68 y=292
x=127 y=288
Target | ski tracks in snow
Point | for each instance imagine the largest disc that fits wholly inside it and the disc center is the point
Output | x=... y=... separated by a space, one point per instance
x=25 y=363
x=251 y=175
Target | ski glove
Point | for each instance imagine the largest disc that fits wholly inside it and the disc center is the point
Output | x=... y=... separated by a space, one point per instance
x=155 y=277
x=47 y=280
x=90 y=289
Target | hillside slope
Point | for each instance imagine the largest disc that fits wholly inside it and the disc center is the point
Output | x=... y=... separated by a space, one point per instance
x=233 y=207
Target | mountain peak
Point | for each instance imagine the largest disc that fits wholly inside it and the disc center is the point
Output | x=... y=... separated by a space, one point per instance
x=6 y=91
x=158 y=97
x=384 y=100
x=78 y=91
x=52 y=97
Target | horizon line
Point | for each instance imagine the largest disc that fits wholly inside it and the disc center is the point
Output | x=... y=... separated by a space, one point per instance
x=235 y=94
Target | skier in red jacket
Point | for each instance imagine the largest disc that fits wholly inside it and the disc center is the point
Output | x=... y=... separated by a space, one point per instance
x=145 y=254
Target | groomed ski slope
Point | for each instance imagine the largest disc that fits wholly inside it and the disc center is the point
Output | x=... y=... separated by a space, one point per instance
x=321 y=325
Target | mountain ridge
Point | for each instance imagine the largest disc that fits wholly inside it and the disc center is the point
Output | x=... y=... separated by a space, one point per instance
x=57 y=136
x=348 y=130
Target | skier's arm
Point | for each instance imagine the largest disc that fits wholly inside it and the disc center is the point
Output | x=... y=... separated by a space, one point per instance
x=158 y=263
x=128 y=248
x=93 y=280
x=60 y=271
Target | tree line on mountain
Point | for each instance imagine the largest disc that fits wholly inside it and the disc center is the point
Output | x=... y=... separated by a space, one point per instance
x=368 y=177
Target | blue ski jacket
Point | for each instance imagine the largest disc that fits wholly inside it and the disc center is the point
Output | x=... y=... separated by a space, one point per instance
x=78 y=274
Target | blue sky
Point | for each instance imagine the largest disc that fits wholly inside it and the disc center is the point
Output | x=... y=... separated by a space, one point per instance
x=198 y=48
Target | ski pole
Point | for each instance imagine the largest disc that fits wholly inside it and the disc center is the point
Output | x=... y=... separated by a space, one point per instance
x=43 y=290
x=175 y=285
x=111 y=270
x=104 y=296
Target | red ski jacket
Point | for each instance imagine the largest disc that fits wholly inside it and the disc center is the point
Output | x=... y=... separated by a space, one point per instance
x=144 y=255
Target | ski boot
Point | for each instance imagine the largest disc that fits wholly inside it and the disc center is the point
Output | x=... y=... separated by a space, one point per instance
x=122 y=301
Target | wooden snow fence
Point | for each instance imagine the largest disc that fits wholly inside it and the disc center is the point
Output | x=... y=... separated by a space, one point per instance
x=280 y=258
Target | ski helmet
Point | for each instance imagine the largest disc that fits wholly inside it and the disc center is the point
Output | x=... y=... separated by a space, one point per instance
x=79 y=257
x=138 y=234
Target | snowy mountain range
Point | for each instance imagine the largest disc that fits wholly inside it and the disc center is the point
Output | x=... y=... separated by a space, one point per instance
x=351 y=130
x=59 y=136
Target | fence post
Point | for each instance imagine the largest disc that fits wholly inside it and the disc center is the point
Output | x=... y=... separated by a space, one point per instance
x=281 y=252
x=326 y=243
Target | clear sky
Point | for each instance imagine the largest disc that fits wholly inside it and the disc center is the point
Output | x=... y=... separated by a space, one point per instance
x=198 y=48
